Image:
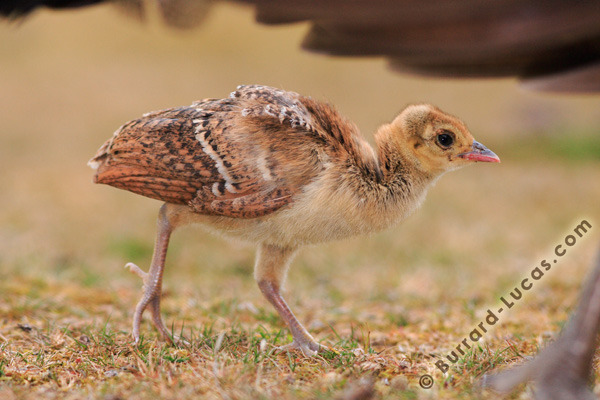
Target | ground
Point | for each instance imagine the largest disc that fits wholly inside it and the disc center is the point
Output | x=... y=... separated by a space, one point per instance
x=390 y=305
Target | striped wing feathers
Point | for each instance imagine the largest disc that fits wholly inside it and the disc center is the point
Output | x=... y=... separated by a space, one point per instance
x=244 y=156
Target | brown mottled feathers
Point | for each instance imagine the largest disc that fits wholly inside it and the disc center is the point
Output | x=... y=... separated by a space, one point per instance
x=244 y=156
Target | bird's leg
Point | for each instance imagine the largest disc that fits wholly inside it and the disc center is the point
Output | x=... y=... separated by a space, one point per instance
x=271 y=267
x=563 y=369
x=153 y=278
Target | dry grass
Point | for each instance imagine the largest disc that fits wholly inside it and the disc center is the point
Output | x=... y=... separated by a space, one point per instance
x=391 y=304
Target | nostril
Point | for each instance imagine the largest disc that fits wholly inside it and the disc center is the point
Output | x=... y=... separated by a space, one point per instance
x=478 y=146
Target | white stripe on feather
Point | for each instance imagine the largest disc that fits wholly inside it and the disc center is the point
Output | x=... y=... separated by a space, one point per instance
x=217 y=159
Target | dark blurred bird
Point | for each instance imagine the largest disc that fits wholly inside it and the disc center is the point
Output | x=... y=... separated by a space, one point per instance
x=549 y=44
x=281 y=171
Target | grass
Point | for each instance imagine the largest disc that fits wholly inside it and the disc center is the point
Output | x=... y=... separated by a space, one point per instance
x=240 y=360
x=64 y=330
x=390 y=305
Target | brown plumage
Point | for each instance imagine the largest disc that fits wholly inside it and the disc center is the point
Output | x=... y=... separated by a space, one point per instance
x=550 y=45
x=280 y=170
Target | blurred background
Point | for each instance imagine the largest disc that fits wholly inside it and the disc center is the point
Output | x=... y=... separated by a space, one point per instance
x=69 y=79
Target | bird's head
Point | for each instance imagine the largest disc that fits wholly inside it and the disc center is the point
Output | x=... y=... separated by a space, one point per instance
x=435 y=142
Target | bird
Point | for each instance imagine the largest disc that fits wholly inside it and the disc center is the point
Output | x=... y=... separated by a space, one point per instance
x=548 y=45
x=281 y=171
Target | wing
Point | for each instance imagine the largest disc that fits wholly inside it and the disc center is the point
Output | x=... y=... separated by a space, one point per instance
x=321 y=122
x=156 y=156
x=244 y=156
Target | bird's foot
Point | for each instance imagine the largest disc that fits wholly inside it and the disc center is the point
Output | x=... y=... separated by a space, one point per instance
x=308 y=348
x=151 y=297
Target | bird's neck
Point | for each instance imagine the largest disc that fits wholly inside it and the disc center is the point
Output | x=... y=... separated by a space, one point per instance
x=397 y=164
x=384 y=187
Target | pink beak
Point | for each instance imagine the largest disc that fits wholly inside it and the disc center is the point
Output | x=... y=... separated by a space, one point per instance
x=480 y=153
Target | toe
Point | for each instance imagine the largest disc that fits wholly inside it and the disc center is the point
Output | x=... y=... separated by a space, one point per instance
x=136 y=270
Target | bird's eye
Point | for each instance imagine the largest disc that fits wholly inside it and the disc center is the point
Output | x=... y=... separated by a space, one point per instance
x=445 y=140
